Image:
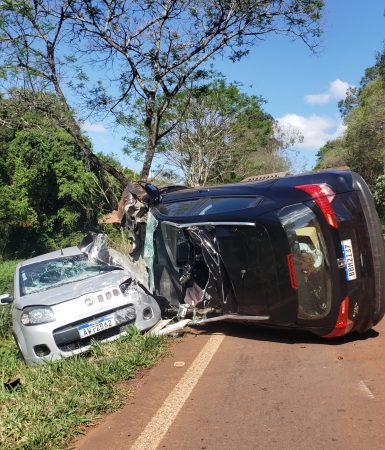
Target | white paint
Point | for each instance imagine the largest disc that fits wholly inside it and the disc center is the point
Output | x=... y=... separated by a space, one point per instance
x=158 y=426
x=364 y=388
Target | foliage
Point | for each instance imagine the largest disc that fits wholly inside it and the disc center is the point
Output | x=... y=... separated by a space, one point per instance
x=332 y=154
x=365 y=135
x=147 y=50
x=6 y=276
x=7 y=269
x=224 y=136
x=48 y=196
x=362 y=147
x=378 y=191
x=5 y=326
x=54 y=402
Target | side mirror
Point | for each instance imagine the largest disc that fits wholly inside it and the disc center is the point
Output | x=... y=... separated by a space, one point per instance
x=153 y=192
x=5 y=299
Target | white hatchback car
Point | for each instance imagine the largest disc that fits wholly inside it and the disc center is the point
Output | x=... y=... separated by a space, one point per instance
x=63 y=301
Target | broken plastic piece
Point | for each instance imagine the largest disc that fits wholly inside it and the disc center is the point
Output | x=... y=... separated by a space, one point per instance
x=174 y=327
x=194 y=295
x=182 y=311
x=161 y=324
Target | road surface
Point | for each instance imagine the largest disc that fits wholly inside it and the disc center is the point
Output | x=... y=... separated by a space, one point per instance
x=241 y=387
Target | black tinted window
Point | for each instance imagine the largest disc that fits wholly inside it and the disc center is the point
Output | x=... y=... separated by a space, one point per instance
x=208 y=206
x=311 y=261
x=226 y=204
x=177 y=208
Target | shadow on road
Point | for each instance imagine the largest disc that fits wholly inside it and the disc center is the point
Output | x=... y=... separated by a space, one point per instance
x=284 y=336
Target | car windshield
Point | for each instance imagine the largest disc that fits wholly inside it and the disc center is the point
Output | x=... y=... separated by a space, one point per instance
x=311 y=261
x=56 y=272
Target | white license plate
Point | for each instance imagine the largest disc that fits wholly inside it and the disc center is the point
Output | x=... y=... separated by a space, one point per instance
x=350 y=267
x=87 y=329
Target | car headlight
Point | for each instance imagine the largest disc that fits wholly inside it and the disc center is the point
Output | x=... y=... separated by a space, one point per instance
x=37 y=315
x=125 y=287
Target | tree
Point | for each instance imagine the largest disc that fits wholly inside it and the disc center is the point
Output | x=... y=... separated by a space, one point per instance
x=365 y=134
x=362 y=147
x=152 y=49
x=224 y=136
x=30 y=34
x=48 y=195
x=332 y=154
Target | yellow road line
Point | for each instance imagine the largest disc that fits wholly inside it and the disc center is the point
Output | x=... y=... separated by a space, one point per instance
x=158 y=426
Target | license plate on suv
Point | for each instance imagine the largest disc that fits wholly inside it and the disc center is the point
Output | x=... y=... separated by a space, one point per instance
x=350 y=267
x=87 y=329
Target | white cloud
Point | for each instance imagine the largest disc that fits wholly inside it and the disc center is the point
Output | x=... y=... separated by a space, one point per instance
x=316 y=130
x=337 y=91
x=97 y=127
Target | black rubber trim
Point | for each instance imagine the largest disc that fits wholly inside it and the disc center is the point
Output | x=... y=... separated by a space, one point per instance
x=377 y=247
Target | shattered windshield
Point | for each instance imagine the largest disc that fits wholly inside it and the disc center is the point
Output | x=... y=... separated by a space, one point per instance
x=56 y=272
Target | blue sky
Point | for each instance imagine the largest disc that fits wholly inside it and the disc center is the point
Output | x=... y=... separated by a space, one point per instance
x=302 y=90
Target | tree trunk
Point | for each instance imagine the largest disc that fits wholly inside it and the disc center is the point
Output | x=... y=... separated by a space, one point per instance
x=151 y=129
x=150 y=151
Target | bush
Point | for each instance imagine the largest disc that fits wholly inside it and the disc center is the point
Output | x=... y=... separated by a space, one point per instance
x=7 y=269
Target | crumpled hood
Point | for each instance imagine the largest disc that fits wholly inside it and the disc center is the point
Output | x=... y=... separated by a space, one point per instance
x=73 y=290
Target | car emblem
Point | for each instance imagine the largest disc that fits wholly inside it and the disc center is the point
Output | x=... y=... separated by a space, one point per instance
x=89 y=301
x=341 y=263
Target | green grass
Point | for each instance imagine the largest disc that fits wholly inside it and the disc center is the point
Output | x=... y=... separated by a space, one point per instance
x=6 y=287
x=53 y=402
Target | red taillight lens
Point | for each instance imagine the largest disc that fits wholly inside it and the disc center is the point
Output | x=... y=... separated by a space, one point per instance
x=323 y=195
x=293 y=276
x=343 y=324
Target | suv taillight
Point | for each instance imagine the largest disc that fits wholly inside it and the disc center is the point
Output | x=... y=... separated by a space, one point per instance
x=323 y=196
x=293 y=276
x=343 y=324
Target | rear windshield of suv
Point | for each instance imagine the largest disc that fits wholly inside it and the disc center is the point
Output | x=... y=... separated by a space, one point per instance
x=311 y=261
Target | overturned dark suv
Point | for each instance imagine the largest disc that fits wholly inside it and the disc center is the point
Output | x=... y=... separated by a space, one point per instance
x=301 y=251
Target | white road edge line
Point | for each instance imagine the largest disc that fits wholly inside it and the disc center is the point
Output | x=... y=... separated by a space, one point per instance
x=158 y=426
x=364 y=388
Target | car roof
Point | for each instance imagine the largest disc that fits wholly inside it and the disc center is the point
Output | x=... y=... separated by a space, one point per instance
x=68 y=251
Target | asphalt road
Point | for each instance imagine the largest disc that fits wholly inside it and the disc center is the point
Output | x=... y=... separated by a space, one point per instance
x=248 y=388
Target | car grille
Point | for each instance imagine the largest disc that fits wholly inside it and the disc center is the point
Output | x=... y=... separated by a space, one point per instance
x=67 y=338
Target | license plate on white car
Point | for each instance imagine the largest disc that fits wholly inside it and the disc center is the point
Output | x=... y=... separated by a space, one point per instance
x=87 y=329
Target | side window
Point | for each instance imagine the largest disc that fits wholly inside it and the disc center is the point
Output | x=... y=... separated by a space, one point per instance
x=177 y=208
x=208 y=206
x=226 y=204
